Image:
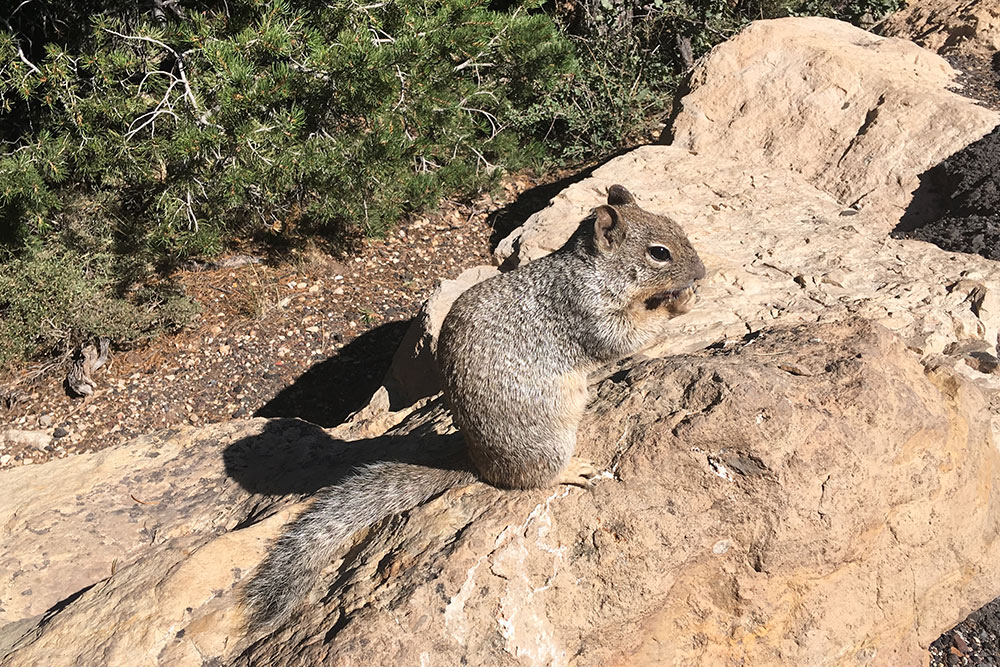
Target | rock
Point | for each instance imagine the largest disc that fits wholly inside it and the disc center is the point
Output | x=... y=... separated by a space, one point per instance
x=983 y=362
x=960 y=644
x=99 y=511
x=859 y=116
x=856 y=498
x=948 y=26
x=60 y=432
x=413 y=373
x=36 y=439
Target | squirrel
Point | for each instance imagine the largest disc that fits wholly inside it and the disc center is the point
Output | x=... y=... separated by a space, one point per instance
x=514 y=352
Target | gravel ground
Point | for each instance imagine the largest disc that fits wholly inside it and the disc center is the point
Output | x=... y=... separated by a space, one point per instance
x=310 y=338
x=332 y=323
x=979 y=78
x=957 y=206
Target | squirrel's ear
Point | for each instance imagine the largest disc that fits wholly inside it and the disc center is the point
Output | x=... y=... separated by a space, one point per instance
x=609 y=229
x=619 y=196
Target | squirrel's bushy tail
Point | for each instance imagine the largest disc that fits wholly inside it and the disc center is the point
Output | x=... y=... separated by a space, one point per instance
x=308 y=544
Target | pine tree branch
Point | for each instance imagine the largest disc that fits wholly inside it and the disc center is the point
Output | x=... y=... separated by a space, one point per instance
x=182 y=76
x=27 y=62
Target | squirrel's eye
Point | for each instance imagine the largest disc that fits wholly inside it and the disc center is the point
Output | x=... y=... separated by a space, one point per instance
x=659 y=253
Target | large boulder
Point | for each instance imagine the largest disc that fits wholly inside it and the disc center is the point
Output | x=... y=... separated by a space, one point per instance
x=860 y=116
x=815 y=496
x=75 y=521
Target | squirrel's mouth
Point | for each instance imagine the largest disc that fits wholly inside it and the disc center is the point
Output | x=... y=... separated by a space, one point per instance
x=676 y=302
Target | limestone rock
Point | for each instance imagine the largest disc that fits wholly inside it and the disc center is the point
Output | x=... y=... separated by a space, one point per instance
x=413 y=373
x=816 y=494
x=778 y=250
x=949 y=26
x=36 y=439
x=860 y=116
x=72 y=522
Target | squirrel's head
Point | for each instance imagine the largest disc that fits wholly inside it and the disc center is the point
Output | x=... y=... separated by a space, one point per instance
x=644 y=257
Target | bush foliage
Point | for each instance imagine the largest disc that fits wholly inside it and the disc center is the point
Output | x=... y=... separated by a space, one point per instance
x=228 y=116
x=135 y=134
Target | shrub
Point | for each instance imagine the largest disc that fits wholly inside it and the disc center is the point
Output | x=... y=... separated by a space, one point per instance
x=630 y=57
x=185 y=127
x=223 y=118
x=54 y=299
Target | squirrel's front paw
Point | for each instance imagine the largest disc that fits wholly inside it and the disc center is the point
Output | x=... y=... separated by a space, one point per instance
x=580 y=472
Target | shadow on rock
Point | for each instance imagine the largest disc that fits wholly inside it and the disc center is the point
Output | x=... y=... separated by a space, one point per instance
x=957 y=205
x=334 y=388
x=291 y=456
x=510 y=217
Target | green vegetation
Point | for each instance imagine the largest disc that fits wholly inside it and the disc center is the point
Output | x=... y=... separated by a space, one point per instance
x=137 y=134
x=53 y=295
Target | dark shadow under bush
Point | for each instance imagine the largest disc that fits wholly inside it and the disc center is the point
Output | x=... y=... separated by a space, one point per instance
x=957 y=205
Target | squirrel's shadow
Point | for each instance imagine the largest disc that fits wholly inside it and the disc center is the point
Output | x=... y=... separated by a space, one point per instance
x=332 y=389
x=291 y=456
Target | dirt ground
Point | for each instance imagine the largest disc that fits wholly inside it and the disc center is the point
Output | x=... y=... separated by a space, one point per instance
x=260 y=328
x=311 y=338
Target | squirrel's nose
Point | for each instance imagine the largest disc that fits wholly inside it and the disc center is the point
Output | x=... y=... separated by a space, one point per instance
x=698 y=268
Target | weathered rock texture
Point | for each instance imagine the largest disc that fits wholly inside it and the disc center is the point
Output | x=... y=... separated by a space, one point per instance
x=162 y=526
x=859 y=116
x=949 y=26
x=816 y=496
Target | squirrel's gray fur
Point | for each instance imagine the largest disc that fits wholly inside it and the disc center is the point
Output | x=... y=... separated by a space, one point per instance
x=514 y=353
